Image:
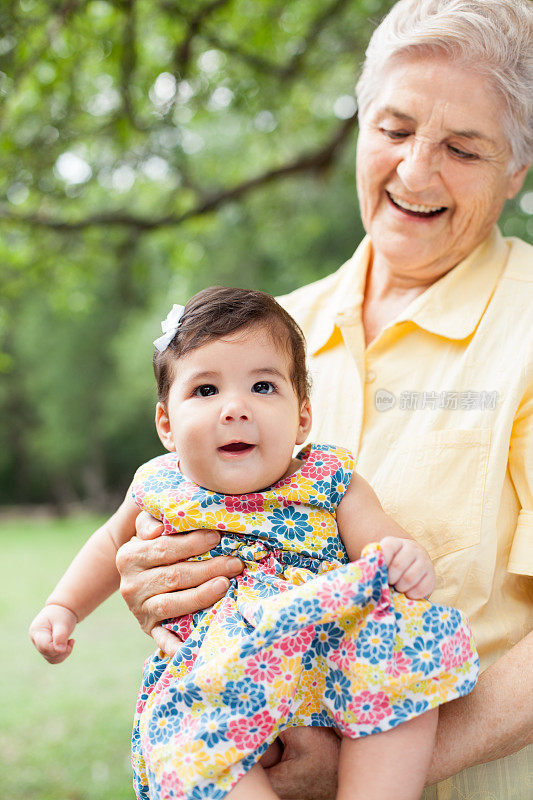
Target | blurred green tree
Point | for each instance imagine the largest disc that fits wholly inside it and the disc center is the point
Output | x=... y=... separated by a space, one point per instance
x=149 y=148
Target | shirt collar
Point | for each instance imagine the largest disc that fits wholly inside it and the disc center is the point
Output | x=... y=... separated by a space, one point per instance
x=451 y=307
x=342 y=305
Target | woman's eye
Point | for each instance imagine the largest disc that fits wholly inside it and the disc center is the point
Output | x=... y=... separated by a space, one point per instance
x=206 y=390
x=263 y=387
x=456 y=151
x=394 y=135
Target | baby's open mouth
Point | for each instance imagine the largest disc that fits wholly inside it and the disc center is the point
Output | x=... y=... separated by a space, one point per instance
x=236 y=447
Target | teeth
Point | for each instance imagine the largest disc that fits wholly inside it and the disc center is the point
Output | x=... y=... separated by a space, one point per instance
x=414 y=207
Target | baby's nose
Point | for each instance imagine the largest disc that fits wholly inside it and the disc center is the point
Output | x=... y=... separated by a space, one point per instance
x=236 y=409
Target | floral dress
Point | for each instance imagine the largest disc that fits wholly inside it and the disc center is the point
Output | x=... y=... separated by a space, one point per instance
x=302 y=637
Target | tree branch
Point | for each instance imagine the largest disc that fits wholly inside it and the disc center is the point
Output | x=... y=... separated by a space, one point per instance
x=319 y=160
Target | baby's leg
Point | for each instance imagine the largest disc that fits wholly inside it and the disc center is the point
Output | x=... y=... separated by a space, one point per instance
x=390 y=764
x=254 y=784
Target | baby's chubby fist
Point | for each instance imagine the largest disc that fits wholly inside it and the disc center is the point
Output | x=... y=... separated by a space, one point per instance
x=50 y=631
x=409 y=567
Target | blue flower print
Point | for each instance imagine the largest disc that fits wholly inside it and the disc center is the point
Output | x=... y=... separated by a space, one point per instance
x=290 y=523
x=340 y=483
x=334 y=550
x=406 y=710
x=322 y=494
x=328 y=638
x=467 y=686
x=209 y=792
x=153 y=669
x=185 y=693
x=246 y=698
x=338 y=689
x=212 y=726
x=164 y=722
x=320 y=719
x=206 y=499
x=375 y=642
x=440 y=620
x=425 y=655
x=160 y=480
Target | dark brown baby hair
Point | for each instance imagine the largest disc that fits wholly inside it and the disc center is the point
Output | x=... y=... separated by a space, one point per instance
x=219 y=311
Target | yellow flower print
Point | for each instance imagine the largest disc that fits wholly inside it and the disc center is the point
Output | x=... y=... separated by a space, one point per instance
x=443 y=689
x=323 y=524
x=191 y=759
x=284 y=684
x=182 y=516
x=254 y=519
x=297 y=489
x=223 y=520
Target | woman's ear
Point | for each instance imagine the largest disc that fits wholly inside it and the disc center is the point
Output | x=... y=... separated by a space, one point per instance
x=516 y=181
x=304 y=425
x=162 y=425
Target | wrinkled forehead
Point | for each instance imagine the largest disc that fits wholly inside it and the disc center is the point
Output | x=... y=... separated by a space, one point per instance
x=461 y=93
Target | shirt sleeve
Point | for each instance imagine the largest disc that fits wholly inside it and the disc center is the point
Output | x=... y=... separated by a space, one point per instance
x=521 y=468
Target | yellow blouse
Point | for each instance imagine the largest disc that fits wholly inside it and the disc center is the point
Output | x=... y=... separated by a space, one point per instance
x=439 y=413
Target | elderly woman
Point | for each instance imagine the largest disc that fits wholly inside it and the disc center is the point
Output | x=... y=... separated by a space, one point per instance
x=421 y=349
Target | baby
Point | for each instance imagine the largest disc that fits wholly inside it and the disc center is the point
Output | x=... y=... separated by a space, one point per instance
x=310 y=633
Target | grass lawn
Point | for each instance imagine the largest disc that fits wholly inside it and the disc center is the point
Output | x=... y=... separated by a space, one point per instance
x=65 y=729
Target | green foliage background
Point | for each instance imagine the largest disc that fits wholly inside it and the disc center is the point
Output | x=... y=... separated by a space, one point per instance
x=150 y=148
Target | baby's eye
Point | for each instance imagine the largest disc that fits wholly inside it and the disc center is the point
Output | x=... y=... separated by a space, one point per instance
x=205 y=390
x=263 y=387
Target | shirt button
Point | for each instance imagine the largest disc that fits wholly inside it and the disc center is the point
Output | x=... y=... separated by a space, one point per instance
x=370 y=376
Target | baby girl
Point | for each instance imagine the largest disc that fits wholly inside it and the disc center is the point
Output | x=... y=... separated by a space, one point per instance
x=310 y=633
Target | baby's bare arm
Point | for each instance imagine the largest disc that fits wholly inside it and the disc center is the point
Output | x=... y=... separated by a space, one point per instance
x=91 y=577
x=361 y=520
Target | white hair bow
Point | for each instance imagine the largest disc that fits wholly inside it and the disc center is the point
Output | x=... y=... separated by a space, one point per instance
x=169 y=326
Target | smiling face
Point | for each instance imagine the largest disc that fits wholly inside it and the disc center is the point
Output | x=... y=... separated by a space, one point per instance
x=432 y=166
x=232 y=413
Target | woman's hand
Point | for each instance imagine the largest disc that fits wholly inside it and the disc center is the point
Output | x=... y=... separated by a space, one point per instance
x=308 y=766
x=158 y=582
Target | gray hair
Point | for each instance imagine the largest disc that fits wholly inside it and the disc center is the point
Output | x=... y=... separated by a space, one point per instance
x=495 y=37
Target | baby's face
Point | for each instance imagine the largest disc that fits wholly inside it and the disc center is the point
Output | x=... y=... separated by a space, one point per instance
x=232 y=414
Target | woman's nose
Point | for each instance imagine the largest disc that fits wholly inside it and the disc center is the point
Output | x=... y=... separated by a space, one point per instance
x=418 y=169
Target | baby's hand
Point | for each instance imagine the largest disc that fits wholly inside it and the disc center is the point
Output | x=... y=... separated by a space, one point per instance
x=409 y=566
x=50 y=630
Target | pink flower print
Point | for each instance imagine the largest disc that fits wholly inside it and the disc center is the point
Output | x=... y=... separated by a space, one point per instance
x=399 y=665
x=321 y=465
x=297 y=643
x=368 y=569
x=263 y=667
x=370 y=708
x=334 y=592
x=171 y=786
x=345 y=656
x=283 y=709
x=246 y=503
x=248 y=733
x=181 y=626
x=456 y=650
